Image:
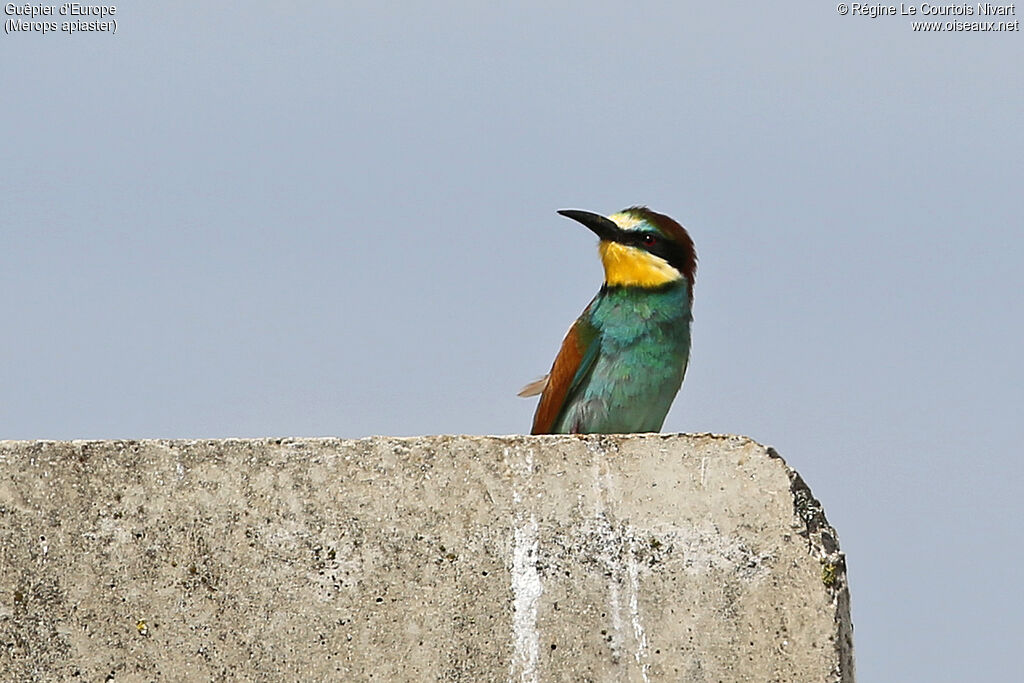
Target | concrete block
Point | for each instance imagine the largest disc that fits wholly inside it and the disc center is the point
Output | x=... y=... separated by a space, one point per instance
x=457 y=558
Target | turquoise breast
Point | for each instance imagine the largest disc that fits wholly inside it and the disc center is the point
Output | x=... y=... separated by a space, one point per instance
x=644 y=338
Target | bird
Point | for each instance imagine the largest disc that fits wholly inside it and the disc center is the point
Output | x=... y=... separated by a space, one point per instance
x=623 y=360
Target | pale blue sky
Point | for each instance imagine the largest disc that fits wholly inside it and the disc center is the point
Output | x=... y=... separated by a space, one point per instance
x=247 y=219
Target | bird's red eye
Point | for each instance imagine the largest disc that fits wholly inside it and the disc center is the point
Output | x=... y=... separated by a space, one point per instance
x=649 y=240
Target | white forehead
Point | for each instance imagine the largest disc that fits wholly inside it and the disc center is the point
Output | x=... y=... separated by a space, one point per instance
x=627 y=221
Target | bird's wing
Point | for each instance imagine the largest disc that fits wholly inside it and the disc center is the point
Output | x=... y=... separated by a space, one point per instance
x=574 y=360
x=533 y=388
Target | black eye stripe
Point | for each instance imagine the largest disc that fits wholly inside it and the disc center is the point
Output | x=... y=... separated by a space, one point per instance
x=651 y=242
x=661 y=247
x=645 y=239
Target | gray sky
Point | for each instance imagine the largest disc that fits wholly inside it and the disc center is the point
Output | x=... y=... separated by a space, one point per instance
x=244 y=219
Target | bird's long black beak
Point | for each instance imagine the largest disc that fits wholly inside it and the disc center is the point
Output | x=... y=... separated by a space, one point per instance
x=603 y=227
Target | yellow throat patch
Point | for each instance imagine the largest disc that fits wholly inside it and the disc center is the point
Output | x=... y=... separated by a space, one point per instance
x=631 y=266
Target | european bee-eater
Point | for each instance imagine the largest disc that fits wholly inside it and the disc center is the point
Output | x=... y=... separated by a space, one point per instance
x=623 y=360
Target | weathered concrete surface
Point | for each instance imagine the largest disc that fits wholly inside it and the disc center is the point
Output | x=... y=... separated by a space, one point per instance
x=644 y=558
